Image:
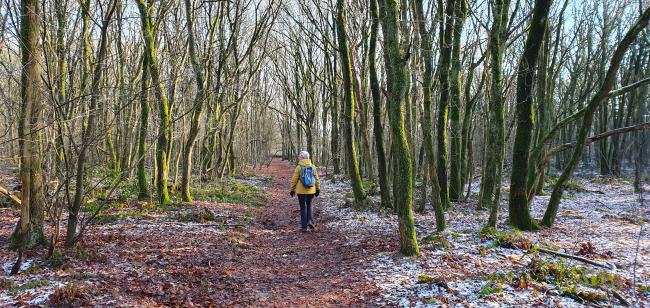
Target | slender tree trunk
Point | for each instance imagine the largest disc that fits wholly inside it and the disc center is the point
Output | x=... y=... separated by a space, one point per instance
x=62 y=72
x=427 y=129
x=519 y=212
x=455 y=151
x=376 y=108
x=495 y=150
x=598 y=99
x=443 y=108
x=143 y=185
x=29 y=230
x=198 y=105
x=344 y=51
x=87 y=132
x=334 y=96
x=163 y=143
x=396 y=74
x=362 y=103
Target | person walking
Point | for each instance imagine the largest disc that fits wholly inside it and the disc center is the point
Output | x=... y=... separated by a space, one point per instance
x=306 y=185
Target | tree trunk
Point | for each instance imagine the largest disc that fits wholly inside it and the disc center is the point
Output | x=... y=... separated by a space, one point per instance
x=495 y=149
x=198 y=105
x=29 y=230
x=344 y=52
x=427 y=129
x=87 y=132
x=163 y=143
x=443 y=108
x=455 y=151
x=519 y=212
x=376 y=108
x=143 y=185
x=599 y=98
x=396 y=62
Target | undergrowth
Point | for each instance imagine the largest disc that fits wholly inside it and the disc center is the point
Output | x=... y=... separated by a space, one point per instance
x=230 y=191
x=70 y=295
x=571 y=185
x=571 y=281
x=199 y=215
x=32 y=284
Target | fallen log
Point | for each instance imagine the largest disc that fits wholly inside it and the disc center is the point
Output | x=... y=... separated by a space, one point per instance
x=621 y=298
x=16 y=200
x=608 y=266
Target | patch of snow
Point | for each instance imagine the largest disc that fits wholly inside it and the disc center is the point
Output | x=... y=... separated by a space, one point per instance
x=607 y=220
x=7 y=266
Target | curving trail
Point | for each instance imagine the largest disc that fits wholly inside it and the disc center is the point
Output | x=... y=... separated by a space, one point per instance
x=284 y=267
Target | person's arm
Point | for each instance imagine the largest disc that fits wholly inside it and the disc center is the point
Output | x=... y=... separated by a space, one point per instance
x=294 y=178
x=317 y=179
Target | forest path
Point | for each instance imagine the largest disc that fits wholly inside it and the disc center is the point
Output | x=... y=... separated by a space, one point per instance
x=287 y=267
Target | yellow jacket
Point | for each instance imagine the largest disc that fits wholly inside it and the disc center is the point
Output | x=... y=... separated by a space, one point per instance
x=296 y=183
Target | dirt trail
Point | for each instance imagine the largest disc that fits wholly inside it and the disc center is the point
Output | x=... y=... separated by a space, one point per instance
x=269 y=263
x=287 y=267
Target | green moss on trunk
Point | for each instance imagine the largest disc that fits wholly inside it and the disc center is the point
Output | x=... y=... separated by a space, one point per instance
x=496 y=143
x=455 y=151
x=344 y=53
x=198 y=105
x=376 y=108
x=519 y=212
x=397 y=78
x=163 y=143
x=427 y=86
x=446 y=38
x=143 y=184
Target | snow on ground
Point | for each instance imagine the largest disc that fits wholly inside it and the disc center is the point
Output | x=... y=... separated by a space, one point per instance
x=129 y=249
x=605 y=215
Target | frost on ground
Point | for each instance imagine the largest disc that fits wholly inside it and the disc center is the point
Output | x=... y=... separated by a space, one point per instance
x=134 y=249
x=600 y=221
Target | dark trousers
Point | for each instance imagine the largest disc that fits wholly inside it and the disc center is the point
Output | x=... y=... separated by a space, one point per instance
x=305 y=210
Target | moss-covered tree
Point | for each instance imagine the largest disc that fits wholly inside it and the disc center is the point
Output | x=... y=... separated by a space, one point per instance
x=445 y=39
x=426 y=49
x=519 y=212
x=163 y=142
x=199 y=99
x=396 y=63
x=29 y=230
x=456 y=155
x=348 y=114
x=141 y=173
x=601 y=96
x=495 y=142
x=376 y=107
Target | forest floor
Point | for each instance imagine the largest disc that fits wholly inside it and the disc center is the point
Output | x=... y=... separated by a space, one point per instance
x=240 y=245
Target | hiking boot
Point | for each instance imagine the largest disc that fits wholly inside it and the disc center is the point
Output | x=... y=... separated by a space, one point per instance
x=311 y=226
x=304 y=229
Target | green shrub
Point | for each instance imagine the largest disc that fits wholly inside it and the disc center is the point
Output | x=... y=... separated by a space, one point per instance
x=70 y=295
x=56 y=260
x=7 y=284
x=33 y=269
x=32 y=284
x=490 y=288
x=231 y=191
x=129 y=188
x=571 y=185
x=505 y=239
x=201 y=215
x=436 y=241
